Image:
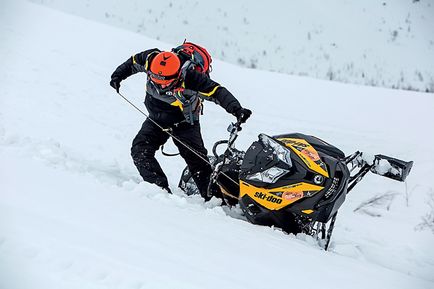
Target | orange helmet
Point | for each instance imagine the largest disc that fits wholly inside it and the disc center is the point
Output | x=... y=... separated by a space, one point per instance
x=165 y=68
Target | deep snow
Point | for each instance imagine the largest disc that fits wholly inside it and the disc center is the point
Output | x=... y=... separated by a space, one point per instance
x=74 y=213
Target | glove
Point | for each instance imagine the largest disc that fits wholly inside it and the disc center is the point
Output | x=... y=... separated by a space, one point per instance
x=115 y=83
x=242 y=114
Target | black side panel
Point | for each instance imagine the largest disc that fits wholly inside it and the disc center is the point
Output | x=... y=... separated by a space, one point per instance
x=317 y=143
x=259 y=215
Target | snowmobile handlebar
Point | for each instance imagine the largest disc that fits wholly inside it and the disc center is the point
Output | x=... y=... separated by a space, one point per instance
x=233 y=130
x=216 y=144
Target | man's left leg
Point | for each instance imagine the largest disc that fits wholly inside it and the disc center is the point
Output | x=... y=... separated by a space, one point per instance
x=199 y=168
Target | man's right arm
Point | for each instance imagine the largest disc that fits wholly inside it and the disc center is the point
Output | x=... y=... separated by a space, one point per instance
x=136 y=63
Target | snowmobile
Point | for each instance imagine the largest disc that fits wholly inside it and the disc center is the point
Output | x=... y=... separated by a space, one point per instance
x=295 y=182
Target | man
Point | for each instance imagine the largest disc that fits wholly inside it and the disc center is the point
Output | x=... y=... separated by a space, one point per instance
x=174 y=93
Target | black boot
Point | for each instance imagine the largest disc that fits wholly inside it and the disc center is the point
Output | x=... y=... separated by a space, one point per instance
x=164 y=185
x=167 y=189
x=201 y=179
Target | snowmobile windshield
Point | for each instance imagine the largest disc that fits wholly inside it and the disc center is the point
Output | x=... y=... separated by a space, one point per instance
x=274 y=150
x=267 y=160
x=282 y=152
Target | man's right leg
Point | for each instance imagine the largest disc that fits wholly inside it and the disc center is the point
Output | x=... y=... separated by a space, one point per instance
x=145 y=144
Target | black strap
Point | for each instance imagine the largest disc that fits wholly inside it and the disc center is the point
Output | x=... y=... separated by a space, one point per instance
x=168 y=154
x=169 y=130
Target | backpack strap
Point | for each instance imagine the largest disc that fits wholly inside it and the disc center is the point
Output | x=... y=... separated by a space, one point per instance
x=187 y=64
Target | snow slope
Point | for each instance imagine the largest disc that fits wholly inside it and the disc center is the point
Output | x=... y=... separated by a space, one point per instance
x=377 y=43
x=74 y=213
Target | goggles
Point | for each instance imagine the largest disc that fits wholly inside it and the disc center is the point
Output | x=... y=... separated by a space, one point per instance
x=162 y=79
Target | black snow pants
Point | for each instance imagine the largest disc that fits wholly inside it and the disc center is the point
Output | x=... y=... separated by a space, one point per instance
x=151 y=137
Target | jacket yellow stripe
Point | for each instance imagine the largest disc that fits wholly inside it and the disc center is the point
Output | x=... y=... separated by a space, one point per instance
x=209 y=93
x=134 y=59
x=149 y=57
x=147 y=63
x=177 y=103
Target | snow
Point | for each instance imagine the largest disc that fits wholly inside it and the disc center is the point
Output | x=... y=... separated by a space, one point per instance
x=378 y=43
x=383 y=167
x=74 y=212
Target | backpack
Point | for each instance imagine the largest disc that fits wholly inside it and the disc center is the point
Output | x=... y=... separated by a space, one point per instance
x=197 y=55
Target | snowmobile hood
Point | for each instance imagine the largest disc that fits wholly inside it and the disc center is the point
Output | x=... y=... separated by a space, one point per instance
x=278 y=171
x=307 y=153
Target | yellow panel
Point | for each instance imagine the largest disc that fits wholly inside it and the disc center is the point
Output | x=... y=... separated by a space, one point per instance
x=289 y=194
x=307 y=153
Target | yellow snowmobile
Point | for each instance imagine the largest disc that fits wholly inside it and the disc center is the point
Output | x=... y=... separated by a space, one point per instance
x=294 y=181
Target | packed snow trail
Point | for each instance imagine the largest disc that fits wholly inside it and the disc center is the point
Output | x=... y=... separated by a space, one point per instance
x=74 y=212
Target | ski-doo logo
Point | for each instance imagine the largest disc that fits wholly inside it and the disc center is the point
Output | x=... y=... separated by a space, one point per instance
x=271 y=199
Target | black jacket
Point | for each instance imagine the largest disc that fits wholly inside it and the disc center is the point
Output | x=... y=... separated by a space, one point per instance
x=162 y=106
